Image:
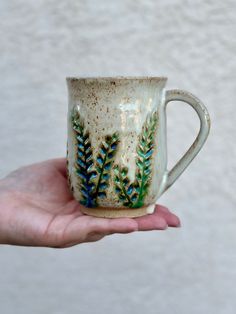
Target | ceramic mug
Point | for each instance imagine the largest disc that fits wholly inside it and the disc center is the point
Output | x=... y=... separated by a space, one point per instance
x=117 y=155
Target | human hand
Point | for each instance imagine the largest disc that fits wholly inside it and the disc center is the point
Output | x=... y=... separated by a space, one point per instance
x=37 y=209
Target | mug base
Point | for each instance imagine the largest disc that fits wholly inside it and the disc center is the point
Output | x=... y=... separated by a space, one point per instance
x=118 y=212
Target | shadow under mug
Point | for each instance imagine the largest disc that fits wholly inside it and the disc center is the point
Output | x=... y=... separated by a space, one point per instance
x=117 y=151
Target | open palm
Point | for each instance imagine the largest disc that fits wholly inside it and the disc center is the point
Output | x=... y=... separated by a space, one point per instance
x=37 y=209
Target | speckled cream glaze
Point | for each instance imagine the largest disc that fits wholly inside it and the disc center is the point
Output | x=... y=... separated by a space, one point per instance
x=119 y=104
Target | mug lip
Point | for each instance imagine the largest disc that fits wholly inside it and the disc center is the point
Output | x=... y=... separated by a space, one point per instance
x=116 y=78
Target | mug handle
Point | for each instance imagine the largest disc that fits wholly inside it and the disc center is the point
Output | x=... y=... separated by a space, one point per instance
x=193 y=101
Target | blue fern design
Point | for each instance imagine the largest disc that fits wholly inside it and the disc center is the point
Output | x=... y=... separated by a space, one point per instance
x=93 y=177
x=84 y=163
x=67 y=170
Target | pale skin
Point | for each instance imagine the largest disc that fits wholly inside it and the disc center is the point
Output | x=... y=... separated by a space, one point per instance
x=37 y=209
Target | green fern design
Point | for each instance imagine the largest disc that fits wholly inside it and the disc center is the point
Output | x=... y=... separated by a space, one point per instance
x=133 y=194
x=125 y=190
x=145 y=150
x=104 y=161
x=94 y=177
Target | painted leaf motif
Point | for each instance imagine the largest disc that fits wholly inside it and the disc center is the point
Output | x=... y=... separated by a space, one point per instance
x=121 y=185
x=145 y=151
x=84 y=162
x=104 y=162
x=133 y=194
x=93 y=176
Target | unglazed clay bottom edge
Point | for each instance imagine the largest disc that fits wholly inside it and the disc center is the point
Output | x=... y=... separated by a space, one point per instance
x=118 y=213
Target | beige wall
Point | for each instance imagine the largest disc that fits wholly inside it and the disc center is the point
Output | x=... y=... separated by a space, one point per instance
x=192 y=270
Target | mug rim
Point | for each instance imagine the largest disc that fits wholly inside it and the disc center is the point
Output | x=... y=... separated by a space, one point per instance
x=116 y=78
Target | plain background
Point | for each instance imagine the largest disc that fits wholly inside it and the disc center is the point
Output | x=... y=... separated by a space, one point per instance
x=187 y=270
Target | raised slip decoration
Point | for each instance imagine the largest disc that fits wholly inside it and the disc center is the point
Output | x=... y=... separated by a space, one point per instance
x=93 y=174
x=132 y=194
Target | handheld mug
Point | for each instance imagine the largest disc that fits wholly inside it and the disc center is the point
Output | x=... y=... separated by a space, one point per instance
x=117 y=152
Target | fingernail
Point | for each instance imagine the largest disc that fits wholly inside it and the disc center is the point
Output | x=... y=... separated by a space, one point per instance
x=176 y=221
x=178 y=225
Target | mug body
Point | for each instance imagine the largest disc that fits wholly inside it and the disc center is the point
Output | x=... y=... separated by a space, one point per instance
x=116 y=144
